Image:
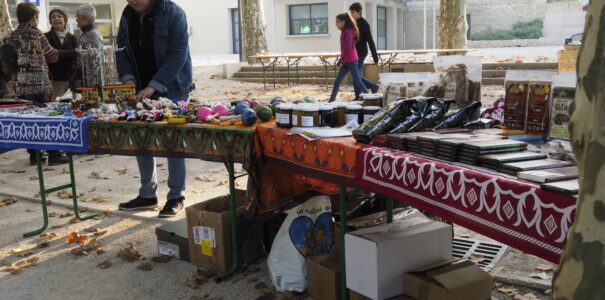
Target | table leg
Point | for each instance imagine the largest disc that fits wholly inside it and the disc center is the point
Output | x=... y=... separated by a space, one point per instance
x=73 y=190
x=42 y=196
x=343 y=230
x=264 y=74
x=229 y=164
x=326 y=65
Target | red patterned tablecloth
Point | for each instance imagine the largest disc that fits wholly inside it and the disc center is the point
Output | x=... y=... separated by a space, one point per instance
x=287 y=166
x=514 y=212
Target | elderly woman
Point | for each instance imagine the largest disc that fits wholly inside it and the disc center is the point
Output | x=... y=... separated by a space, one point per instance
x=86 y=15
x=59 y=38
x=32 y=81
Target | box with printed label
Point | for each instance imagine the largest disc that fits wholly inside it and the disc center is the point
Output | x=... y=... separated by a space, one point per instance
x=377 y=257
x=209 y=232
x=172 y=239
x=449 y=280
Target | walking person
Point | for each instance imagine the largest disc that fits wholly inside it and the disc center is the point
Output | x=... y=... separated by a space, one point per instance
x=348 y=54
x=365 y=40
x=32 y=81
x=60 y=38
x=156 y=58
x=86 y=15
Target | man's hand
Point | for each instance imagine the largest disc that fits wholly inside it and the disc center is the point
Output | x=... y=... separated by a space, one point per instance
x=145 y=93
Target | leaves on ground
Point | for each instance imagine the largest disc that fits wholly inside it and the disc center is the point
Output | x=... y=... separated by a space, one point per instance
x=47 y=236
x=476 y=258
x=42 y=244
x=145 y=266
x=162 y=259
x=91 y=229
x=8 y=201
x=74 y=237
x=18 y=267
x=105 y=264
x=205 y=178
x=98 y=199
x=545 y=267
x=541 y=275
x=508 y=290
x=159 y=165
x=12 y=171
x=86 y=248
x=52 y=214
x=97 y=175
x=206 y=273
x=29 y=210
x=99 y=233
x=129 y=254
x=74 y=221
x=223 y=182
x=34 y=178
x=64 y=194
x=121 y=170
x=93 y=189
x=66 y=215
x=23 y=252
x=528 y=296
x=195 y=282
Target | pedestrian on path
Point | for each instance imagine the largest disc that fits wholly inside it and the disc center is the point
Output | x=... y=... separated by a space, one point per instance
x=348 y=54
x=365 y=40
x=156 y=58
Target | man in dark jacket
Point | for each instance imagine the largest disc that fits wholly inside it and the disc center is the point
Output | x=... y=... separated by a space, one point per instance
x=365 y=39
x=155 y=57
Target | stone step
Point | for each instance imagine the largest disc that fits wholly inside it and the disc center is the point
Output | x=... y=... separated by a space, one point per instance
x=492 y=81
x=283 y=74
x=520 y=66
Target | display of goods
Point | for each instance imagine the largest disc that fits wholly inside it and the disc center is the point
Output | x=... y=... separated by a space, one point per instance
x=434 y=116
x=457 y=118
x=248 y=117
x=264 y=113
x=424 y=107
x=537 y=108
x=515 y=105
x=562 y=99
x=221 y=109
x=274 y=105
x=383 y=120
x=275 y=99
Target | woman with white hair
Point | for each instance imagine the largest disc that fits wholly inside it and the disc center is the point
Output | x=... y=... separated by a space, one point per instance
x=86 y=15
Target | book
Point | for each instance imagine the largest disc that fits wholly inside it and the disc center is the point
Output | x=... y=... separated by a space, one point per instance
x=494 y=144
x=568 y=187
x=510 y=157
x=535 y=165
x=550 y=175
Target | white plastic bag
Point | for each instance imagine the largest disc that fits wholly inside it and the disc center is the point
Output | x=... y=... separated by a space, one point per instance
x=307 y=230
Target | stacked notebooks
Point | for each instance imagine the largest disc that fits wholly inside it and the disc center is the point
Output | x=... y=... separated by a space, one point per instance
x=470 y=152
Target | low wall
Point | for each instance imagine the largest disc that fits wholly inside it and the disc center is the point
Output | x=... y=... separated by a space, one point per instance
x=502 y=43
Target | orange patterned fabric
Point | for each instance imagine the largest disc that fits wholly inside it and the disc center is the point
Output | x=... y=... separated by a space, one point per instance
x=287 y=164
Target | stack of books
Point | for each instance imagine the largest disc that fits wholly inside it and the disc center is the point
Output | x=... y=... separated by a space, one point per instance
x=495 y=161
x=470 y=152
x=515 y=167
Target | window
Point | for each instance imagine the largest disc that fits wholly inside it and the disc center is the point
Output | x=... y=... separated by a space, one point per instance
x=235 y=39
x=103 y=22
x=12 y=11
x=381 y=16
x=308 y=19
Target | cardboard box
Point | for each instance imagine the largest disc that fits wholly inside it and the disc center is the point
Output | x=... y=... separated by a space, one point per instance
x=377 y=257
x=209 y=232
x=379 y=218
x=449 y=281
x=568 y=58
x=324 y=276
x=355 y=296
x=172 y=239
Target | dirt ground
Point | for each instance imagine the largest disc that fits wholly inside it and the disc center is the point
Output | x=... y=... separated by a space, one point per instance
x=59 y=274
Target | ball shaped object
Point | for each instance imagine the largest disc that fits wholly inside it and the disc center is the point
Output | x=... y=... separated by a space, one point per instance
x=248 y=117
x=254 y=104
x=275 y=99
x=264 y=113
x=309 y=99
x=204 y=112
x=239 y=108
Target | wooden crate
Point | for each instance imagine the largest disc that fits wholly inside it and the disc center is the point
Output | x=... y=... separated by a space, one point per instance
x=567 y=58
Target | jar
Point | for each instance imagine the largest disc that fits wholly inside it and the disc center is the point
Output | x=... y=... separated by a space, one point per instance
x=325 y=115
x=340 y=114
x=371 y=99
x=354 y=112
x=283 y=115
x=369 y=112
x=296 y=115
x=310 y=116
x=357 y=102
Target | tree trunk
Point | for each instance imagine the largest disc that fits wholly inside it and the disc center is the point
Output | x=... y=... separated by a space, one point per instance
x=253 y=28
x=452 y=24
x=581 y=274
x=5 y=21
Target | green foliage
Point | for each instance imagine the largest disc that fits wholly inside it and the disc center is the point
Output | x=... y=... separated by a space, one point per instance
x=520 y=31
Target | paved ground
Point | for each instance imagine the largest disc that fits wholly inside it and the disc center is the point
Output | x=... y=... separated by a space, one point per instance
x=59 y=274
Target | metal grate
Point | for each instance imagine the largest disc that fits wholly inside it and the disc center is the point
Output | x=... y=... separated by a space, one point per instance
x=491 y=252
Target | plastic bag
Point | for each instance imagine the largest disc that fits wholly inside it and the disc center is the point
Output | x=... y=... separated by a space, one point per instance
x=383 y=120
x=307 y=230
x=423 y=108
x=459 y=78
x=563 y=95
x=406 y=85
x=457 y=118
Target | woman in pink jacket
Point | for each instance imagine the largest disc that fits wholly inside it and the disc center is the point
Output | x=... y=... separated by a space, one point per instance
x=348 y=55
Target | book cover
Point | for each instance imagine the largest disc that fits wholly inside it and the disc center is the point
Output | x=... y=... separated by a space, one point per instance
x=536 y=165
x=550 y=175
x=568 y=187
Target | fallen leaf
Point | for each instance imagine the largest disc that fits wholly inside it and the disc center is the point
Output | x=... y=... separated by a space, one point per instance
x=91 y=229
x=42 y=244
x=93 y=189
x=83 y=209
x=144 y=266
x=100 y=251
x=57 y=226
x=74 y=221
x=206 y=273
x=195 y=282
x=97 y=175
x=508 y=290
x=237 y=184
x=52 y=214
x=223 y=182
x=100 y=233
x=98 y=199
x=64 y=194
x=545 y=267
x=48 y=169
x=237 y=277
x=129 y=254
x=204 y=178
x=90 y=159
x=541 y=275
x=9 y=200
x=74 y=237
x=49 y=203
x=78 y=251
x=33 y=178
x=464 y=235
x=121 y=170
x=13 y=171
x=2 y=204
x=47 y=236
x=104 y=265
x=66 y=215
x=22 y=252
x=162 y=259
x=16 y=271
x=528 y=296
x=29 y=210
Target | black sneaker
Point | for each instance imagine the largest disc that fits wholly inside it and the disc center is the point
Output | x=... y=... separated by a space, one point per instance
x=172 y=207
x=57 y=158
x=139 y=203
x=32 y=158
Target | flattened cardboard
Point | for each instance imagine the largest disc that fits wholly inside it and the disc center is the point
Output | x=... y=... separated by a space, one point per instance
x=451 y=280
x=377 y=257
x=324 y=276
x=213 y=213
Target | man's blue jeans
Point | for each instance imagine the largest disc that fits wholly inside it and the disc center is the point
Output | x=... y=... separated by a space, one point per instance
x=149 y=179
x=357 y=79
x=368 y=84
